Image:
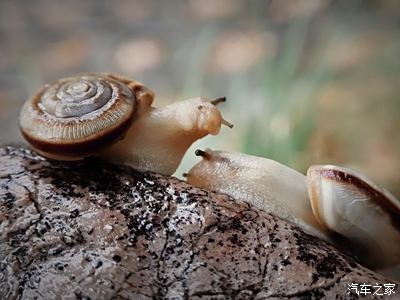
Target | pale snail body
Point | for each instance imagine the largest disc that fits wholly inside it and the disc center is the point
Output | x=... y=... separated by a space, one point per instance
x=255 y=179
x=110 y=116
x=328 y=201
x=173 y=129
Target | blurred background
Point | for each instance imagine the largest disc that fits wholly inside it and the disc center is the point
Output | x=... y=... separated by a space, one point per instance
x=307 y=81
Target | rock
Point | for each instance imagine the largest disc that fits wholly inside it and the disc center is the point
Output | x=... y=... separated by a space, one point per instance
x=94 y=230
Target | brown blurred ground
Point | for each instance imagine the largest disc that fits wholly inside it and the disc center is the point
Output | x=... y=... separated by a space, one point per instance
x=308 y=81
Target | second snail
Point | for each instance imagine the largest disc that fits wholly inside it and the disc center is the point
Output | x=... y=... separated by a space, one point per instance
x=334 y=203
x=110 y=116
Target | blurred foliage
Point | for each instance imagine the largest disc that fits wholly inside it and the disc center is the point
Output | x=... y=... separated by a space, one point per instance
x=307 y=81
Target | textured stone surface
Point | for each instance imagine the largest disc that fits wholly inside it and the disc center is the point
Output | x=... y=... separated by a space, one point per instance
x=93 y=230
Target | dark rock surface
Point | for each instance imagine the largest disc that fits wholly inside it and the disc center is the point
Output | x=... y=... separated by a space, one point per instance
x=93 y=230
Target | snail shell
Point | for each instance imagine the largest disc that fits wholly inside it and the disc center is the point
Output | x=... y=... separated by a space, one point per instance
x=348 y=203
x=77 y=116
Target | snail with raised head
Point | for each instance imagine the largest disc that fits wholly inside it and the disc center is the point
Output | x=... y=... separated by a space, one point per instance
x=113 y=117
x=329 y=202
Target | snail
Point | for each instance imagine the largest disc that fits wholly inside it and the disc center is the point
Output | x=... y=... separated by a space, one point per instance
x=112 y=117
x=337 y=204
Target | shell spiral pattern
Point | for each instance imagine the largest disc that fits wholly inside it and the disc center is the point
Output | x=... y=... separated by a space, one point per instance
x=77 y=96
x=78 y=115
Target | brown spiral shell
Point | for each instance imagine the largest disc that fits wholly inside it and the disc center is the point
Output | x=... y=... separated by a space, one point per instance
x=77 y=116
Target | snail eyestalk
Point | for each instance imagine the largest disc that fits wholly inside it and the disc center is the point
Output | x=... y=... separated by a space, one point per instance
x=226 y=123
x=202 y=153
x=218 y=101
